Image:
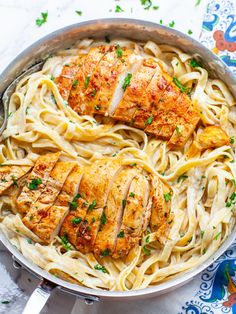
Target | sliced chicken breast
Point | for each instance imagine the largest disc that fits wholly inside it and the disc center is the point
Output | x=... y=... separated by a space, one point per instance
x=78 y=100
x=38 y=210
x=134 y=216
x=106 y=238
x=160 y=219
x=66 y=79
x=36 y=181
x=95 y=187
x=135 y=96
x=50 y=224
x=9 y=175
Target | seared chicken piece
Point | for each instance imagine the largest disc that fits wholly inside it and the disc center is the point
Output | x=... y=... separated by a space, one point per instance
x=160 y=213
x=212 y=137
x=36 y=181
x=50 y=224
x=9 y=176
x=105 y=79
x=151 y=100
x=95 y=186
x=66 y=79
x=106 y=238
x=77 y=100
x=55 y=182
x=133 y=221
x=135 y=96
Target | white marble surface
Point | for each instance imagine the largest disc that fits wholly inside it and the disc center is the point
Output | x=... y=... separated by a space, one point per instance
x=18 y=30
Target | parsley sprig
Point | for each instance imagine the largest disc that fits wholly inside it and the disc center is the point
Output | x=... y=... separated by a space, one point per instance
x=40 y=21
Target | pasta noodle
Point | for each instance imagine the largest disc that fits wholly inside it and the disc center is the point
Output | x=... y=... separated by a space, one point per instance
x=40 y=121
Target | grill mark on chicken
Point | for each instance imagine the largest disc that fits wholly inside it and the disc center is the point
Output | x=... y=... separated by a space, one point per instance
x=42 y=168
x=38 y=210
x=151 y=101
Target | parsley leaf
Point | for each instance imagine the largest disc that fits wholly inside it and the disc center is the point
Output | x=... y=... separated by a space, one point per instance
x=190 y=32
x=14 y=181
x=146 y=3
x=86 y=82
x=106 y=252
x=177 y=128
x=118 y=9
x=127 y=81
x=92 y=205
x=119 y=51
x=216 y=237
x=167 y=197
x=66 y=244
x=34 y=184
x=194 y=63
x=41 y=21
x=79 y=12
x=101 y=268
x=231 y=140
x=73 y=204
x=146 y=251
x=182 y=88
x=75 y=83
x=172 y=24
x=97 y=107
x=76 y=220
x=202 y=233
x=132 y=194
x=121 y=234
x=123 y=203
x=149 y=120
x=5 y=302
x=197 y=3
x=103 y=219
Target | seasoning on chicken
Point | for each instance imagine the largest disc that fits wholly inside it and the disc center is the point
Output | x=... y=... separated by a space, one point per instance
x=212 y=137
x=36 y=181
x=115 y=81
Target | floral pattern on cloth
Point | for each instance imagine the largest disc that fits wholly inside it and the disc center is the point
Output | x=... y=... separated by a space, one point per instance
x=217 y=293
x=219 y=30
x=217 y=290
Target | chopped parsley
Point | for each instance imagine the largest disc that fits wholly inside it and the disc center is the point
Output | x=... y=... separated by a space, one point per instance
x=14 y=181
x=232 y=200
x=76 y=220
x=182 y=178
x=92 y=205
x=202 y=233
x=149 y=120
x=177 y=128
x=197 y=3
x=66 y=244
x=97 y=107
x=204 y=251
x=34 y=184
x=29 y=241
x=123 y=203
x=216 y=237
x=147 y=239
x=103 y=219
x=127 y=81
x=119 y=51
x=92 y=220
x=93 y=93
x=167 y=197
x=73 y=204
x=231 y=140
x=155 y=7
x=106 y=252
x=79 y=12
x=101 y=268
x=161 y=22
x=234 y=182
x=118 y=9
x=172 y=24
x=121 y=234
x=146 y=3
x=75 y=83
x=4 y=180
x=86 y=82
x=132 y=194
x=52 y=78
x=107 y=39
x=9 y=114
x=43 y=20
x=194 y=63
x=182 y=88
x=146 y=251
x=133 y=164
x=190 y=32
x=5 y=302
x=27 y=110
x=53 y=99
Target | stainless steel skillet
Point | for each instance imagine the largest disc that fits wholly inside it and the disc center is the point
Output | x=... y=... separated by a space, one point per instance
x=65 y=38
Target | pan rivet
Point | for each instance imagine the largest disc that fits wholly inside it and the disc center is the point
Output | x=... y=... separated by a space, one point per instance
x=16 y=265
x=88 y=301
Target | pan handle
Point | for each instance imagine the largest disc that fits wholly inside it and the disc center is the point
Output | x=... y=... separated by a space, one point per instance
x=39 y=297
